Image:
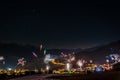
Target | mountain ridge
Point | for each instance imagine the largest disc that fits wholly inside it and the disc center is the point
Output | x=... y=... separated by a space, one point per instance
x=13 y=51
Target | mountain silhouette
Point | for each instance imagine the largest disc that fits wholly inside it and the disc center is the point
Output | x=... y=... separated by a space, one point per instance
x=12 y=52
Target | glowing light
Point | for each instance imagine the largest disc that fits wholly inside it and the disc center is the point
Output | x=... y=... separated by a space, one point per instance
x=9 y=69
x=107 y=60
x=70 y=72
x=21 y=62
x=47 y=68
x=115 y=57
x=34 y=54
x=68 y=66
x=41 y=47
x=99 y=69
x=68 y=57
x=57 y=63
x=1 y=58
x=80 y=63
x=91 y=61
x=3 y=62
x=48 y=59
x=45 y=52
x=73 y=58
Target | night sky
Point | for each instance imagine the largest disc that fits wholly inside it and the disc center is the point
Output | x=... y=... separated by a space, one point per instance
x=60 y=24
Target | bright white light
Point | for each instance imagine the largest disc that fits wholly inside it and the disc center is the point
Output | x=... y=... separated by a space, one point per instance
x=80 y=63
x=47 y=68
x=73 y=58
x=115 y=57
x=1 y=58
x=9 y=69
x=107 y=60
x=48 y=59
x=112 y=58
x=91 y=61
x=68 y=66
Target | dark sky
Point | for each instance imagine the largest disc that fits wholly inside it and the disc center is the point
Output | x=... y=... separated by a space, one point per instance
x=60 y=24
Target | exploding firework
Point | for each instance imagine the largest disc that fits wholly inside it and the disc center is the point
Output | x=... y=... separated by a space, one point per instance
x=48 y=59
x=34 y=54
x=80 y=63
x=113 y=58
x=21 y=62
x=68 y=66
x=68 y=57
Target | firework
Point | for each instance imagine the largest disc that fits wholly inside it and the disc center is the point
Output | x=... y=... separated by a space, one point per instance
x=57 y=63
x=68 y=57
x=113 y=58
x=41 y=47
x=21 y=62
x=34 y=54
x=68 y=66
x=80 y=63
x=45 y=52
x=48 y=59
